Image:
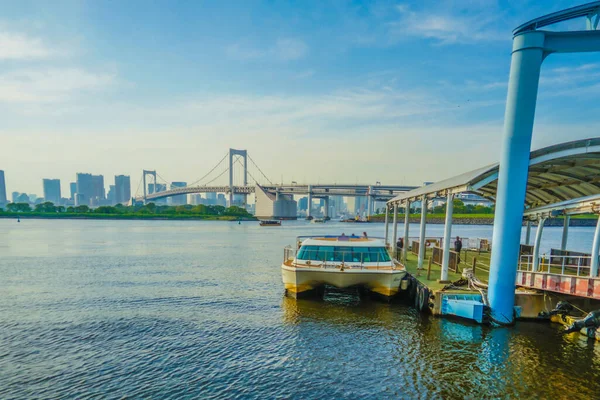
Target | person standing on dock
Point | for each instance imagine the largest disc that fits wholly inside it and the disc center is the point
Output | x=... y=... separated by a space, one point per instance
x=399 y=246
x=458 y=248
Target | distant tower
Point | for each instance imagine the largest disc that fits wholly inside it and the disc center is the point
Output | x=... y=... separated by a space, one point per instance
x=52 y=190
x=3 y=199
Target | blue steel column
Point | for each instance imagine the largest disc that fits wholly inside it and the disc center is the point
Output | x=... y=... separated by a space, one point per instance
x=406 y=226
x=565 y=233
x=447 y=237
x=309 y=207
x=387 y=222
x=422 y=232
x=525 y=67
x=528 y=232
x=595 y=251
x=536 y=245
x=395 y=236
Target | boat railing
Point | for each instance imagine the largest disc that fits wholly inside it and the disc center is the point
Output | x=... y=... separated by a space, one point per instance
x=563 y=265
x=289 y=254
x=346 y=260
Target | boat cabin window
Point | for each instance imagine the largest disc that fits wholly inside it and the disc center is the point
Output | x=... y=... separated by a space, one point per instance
x=343 y=253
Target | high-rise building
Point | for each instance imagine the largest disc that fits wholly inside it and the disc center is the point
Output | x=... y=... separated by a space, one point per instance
x=3 y=199
x=85 y=189
x=160 y=187
x=196 y=199
x=73 y=189
x=111 y=195
x=99 y=193
x=52 y=190
x=303 y=204
x=181 y=199
x=15 y=196
x=21 y=198
x=122 y=189
x=221 y=200
x=211 y=199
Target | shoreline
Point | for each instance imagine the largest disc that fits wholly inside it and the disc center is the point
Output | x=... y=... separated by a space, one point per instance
x=114 y=217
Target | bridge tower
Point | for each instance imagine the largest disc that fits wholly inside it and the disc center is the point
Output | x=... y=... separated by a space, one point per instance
x=244 y=154
x=153 y=174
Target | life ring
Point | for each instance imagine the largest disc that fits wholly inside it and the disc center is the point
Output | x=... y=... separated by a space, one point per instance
x=427 y=244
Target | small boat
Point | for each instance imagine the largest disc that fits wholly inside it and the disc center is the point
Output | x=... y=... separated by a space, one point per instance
x=318 y=221
x=341 y=262
x=270 y=223
x=356 y=221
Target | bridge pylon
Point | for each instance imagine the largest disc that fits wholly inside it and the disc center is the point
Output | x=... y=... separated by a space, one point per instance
x=244 y=154
x=153 y=174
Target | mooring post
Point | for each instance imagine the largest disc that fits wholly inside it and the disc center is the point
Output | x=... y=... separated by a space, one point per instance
x=474 y=265
x=429 y=269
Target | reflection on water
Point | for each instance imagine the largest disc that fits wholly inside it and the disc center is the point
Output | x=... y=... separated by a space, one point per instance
x=168 y=309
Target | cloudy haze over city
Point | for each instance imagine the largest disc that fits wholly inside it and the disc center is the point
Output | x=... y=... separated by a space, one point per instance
x=391 y=91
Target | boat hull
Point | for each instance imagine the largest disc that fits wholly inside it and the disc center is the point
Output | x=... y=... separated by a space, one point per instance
x=304 y=281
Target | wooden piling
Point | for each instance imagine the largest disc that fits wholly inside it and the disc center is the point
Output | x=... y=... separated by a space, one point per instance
x=474 y=265
x=429 y=269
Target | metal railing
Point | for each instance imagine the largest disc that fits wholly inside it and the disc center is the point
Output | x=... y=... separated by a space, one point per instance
x=338 y=259
x=566 y=265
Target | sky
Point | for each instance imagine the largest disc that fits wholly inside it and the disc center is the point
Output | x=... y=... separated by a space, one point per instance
x=399 y=92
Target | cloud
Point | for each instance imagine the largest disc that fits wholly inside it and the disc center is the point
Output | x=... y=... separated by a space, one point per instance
x=49 y=85
x=446 y=27
x=242 y=52
x=284 y=49
x=14 y=46
x=290 y=49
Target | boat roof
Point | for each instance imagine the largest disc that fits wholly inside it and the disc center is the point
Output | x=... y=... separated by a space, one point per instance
x=348 y=241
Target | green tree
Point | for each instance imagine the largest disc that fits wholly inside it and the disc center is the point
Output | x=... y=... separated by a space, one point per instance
x=46 y=207
x=18 y=207
x=82 y=209
x=105 y=210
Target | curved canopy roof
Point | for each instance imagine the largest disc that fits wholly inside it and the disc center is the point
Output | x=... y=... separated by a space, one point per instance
x=557 y=173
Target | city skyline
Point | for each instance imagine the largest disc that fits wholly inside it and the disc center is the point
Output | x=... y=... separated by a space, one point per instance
x=367 y=92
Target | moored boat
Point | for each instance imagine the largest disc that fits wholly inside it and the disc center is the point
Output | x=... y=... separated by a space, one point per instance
x=341 y=262
x=270 y=223
x=318 y=221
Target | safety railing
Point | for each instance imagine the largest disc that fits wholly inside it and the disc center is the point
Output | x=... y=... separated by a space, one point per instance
x=341 y=259
x=563 y=265
x=289 y=254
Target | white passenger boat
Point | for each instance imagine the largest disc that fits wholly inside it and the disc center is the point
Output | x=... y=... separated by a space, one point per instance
x=341 y=262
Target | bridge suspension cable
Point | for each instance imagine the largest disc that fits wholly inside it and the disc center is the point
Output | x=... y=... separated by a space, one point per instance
x=210 y=172
x=217 y=177
x=259 y=170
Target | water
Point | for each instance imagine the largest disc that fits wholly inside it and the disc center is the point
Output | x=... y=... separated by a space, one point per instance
x=170 y=309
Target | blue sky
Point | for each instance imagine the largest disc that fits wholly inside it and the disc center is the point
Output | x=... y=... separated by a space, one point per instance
x=394 y=91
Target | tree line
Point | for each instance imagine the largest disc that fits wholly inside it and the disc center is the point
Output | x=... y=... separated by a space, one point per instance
x=148 y=209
